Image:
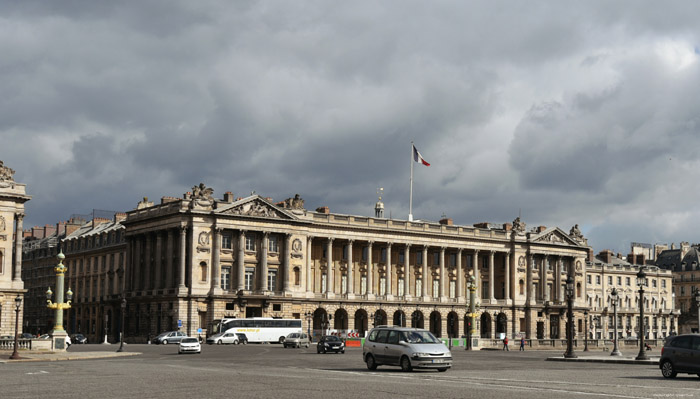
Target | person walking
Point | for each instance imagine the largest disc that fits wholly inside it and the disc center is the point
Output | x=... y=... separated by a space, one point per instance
x=522 y=343
x=505 y=344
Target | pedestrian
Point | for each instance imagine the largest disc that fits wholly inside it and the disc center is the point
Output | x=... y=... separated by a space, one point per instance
x=505 y=344
x=522 y=343
x=68 y=343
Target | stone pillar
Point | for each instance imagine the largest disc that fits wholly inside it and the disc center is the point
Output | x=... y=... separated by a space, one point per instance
x=350 y=271
x=285 y=261
x=169 y=260
x=329 y=267
x=309 y=275
x=388 y=270
x=263 y=263
x=477 y=275
x=443 y=274
x=183 y=255
x=492 y=298
x=159 y=261
x=147 y=283
x=426 y=274
x=543 y=279
x=370 y=270
x=558 y=292
x=128 y=266
x=216 y=260
x=138 y=264
x=506 y=273
x=240 y=261
x=407 y=271
x=460 y=277
x=530 y=266
x=17 y=272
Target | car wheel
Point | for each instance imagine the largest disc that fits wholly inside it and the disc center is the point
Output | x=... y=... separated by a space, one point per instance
x=281 y=340
x=165 y=342
x=235 y=342
x=442 y=370
x=343 y=351
x=371 y=364
x=667 y=369
x=324 y=350
x=298 y=345
x=306 y=346
x=406 y=364
x=219 y=342
x=318 y=350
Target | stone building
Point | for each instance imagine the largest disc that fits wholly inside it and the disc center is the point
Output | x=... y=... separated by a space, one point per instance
x=12 y=198
x=607 y=271
x=684 y=262
x=197 y=259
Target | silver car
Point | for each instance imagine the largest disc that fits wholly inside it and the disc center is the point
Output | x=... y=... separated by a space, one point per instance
x=297 y=340
x=223 y=338
x=408 y=348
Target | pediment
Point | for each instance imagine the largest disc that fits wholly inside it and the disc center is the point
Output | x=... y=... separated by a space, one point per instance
x=554 y=236
x=255 y=207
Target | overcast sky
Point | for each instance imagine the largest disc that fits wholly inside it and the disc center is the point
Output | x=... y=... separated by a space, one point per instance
x=569 y=112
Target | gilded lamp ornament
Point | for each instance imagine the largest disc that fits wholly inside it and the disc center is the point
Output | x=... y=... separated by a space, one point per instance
x=59 y=305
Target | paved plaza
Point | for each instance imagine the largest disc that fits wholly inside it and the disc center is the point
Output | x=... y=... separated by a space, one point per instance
x=269 y=371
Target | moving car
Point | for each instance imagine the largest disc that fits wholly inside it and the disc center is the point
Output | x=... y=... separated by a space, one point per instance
x=223 y=338
x=79 y=339
x=680 y=354
x=189 y=345
x=242 y=338
x=408 y=348
x=296 y=340
x=330 y=343
x=169 y=337
x=26 y=336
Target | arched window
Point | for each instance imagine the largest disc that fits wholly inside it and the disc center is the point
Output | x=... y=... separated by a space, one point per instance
x=521 y=284
x=203 y=271
x=297 y=276
x=1 y=262
x=578 y=290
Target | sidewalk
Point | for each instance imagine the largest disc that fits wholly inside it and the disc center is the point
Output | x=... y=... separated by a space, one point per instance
x=606 y=358
x=35 y=356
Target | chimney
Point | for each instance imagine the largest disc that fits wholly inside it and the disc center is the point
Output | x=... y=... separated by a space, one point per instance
x=26 y=233
x=323 y=209
x=49 y=230
x=37 y=232
x=541 y=228
x=606 y=255
x=591 y=254
x=167 y=200
x=632 y=258
x=228 y=197
x=446 y=221
x=507 y=226
x=641 y=259
x=482 y=225
x=98 y=221
x=119 y=216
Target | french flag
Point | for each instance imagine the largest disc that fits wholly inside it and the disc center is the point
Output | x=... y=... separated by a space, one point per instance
x=418 y=157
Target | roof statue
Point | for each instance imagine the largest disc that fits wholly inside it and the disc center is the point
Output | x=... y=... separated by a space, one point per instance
x=202 y=196
x=518 y=226
x=575 y=233
x=294 y=203
x=6 y=176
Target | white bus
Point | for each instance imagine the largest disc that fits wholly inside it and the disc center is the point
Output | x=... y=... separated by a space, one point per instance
x=259 y=329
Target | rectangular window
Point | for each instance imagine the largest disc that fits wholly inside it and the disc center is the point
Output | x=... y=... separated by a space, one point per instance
x=400 y=287
x=363 y=285
x=610 y=280
x=663 y=283
x=401 y=258
x=453 y=288
x=419 y=287
x=273 y=244
x=597 y=280
x=249 y=278
x=250 y=242
x=436 y=288
x=589 y=278
x=324 y=279
x=627 y=281
x=226 y=278
x=382 y=286
x=272 y=280
x=619 y=280
x=345 y=252
x=653 y=283
x=382 y=255
x=453 y=260
x=365 y=251
x=436 y=258
x=419 y=258
x=226 y=241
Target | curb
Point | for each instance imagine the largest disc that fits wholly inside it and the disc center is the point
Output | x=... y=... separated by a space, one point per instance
x=76 y=356
x=653 y=362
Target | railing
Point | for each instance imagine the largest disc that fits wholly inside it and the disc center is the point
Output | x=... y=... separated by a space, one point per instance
x=9 y=343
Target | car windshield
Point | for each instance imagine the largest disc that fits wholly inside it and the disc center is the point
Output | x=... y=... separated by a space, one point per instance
x=419 y=337
x=293 y=335
x=189 y=340
x=332 y=338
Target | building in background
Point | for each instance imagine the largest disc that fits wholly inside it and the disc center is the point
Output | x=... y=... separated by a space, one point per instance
x=684 y=262
x=12 y=198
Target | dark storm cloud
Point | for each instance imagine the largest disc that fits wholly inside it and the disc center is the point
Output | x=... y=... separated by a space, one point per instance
x=566 y=112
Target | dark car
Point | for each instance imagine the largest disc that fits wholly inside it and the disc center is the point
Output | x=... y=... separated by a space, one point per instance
x=680 y=354
x=330 y=343
x=79 y=339
x=242 y=339
x=26 y=336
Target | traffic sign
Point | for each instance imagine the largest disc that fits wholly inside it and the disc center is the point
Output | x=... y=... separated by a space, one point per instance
x=199 y=331
x=179 y=324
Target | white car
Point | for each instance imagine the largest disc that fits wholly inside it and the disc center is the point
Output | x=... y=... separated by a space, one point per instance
x=223 y=338
x=189 y=345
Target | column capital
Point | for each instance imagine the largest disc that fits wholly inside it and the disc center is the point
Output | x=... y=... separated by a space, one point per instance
x=408 y=246
x=443 y=248
x=459 y=251
x=389 y=244
x=266 y=233
x=351 y=241
x=476 y=252
x=183 y=229
x=370 y=243
x=331 y=239
x=218 y=229
x=19 y=216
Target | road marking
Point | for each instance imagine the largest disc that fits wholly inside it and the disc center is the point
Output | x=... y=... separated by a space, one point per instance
x=39 y=372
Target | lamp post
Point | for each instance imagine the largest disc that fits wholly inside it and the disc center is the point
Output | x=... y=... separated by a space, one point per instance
x=641 y=282
x=58 y=334
x=615 y=298
x=471 y=285
x=18 y=304
x=570 y=319
x=309 y=316
x=121 y=332
x=585 y=330
x=697 y=302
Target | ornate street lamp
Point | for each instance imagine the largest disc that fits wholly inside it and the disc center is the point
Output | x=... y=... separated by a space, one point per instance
x=309 y=316
x=18 y=304
x=585 y=330
x=641 y=282
x=697 y=302
x=615 y=298
x=58 y=334
x=121 y=333
x=570 y=319
x=472 y=286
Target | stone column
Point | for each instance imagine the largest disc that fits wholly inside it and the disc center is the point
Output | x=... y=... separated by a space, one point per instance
x=557 y=280
x=543 y=279
x=309 y=275
x=147 y=283
x=263 y=263
x=159 y=261
x=351 y=271
x=460 y=277
x=183 y=255
x=128 y=266
x=19 y=230
x=138 y=264
x=530 y=266
x=507 y=267
x=329 y=267
x=169 y=260
x=426 y=274
x=407 y=271
x=443 y=274
x=492 y=298
x=285 y=261
x=216 y=260
x=370 y=270
x=240 y=262
x=388 y=270
x=477 y=276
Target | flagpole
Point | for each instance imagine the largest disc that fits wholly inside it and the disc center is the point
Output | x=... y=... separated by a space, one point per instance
x=410 y=195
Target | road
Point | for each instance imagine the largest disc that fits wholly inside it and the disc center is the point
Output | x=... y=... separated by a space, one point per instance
x=269 y=371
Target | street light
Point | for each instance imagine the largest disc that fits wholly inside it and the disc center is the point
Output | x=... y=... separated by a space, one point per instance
x=585 y=330
x=309 y=316
x=58 y=334
x=570 y=319
x=18 y=304
x=641 y=282
x=471 y=285
x=121 y=332
x=615 y=298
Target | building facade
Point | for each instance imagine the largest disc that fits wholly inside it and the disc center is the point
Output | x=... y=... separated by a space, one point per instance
x=196 y=259
x=12 y=198
x=606 y=272
x=684 y=263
